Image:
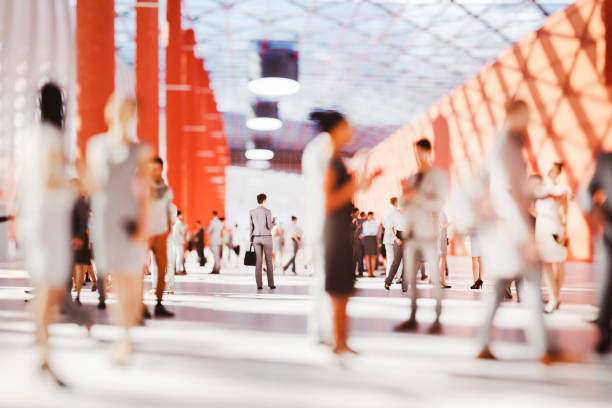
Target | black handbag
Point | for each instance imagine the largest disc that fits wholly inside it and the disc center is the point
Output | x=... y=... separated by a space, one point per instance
x=250 y=258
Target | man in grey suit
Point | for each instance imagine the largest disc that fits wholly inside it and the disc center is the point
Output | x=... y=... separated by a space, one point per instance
x=215 y=233
x=261 y=238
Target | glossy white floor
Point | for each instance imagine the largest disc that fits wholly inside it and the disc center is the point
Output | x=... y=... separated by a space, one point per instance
x=232 y=346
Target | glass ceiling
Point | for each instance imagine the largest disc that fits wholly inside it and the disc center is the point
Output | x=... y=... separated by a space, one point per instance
x=380 y=62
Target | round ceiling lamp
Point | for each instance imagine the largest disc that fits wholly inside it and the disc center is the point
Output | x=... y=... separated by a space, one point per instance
x=263 y=117
x=258 y=150
x=273 y=69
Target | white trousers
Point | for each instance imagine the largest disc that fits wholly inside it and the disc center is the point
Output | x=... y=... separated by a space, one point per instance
x=428 y=249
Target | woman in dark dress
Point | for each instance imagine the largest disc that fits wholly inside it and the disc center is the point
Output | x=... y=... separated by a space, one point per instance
x=339 y=188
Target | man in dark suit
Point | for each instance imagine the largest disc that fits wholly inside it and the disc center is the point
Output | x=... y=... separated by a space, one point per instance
x=261 y=239
x=199 y=243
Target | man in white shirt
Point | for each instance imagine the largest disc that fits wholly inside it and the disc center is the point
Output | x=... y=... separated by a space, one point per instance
x=179 y=237
x=160 y=225
x=424 y=196
x=215 y=233
x=391 y=222
x=294 y=232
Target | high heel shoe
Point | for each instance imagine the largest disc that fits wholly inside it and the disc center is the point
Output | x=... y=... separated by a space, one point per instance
x=474 y=286
x=479 y=283
x=387 y=286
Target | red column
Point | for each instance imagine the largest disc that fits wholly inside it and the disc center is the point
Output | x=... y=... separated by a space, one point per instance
x=188 y=114
x=147 y=72
x=174 y=89
x=95 y=42
x=606 y=14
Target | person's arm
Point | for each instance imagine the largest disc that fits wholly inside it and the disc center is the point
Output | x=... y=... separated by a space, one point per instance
x=432 y=200
x=252 y=226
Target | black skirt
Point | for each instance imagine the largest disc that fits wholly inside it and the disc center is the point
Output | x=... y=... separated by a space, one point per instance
x=339 y=267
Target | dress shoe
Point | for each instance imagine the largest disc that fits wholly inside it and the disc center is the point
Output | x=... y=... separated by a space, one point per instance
x=161 y=311
x=272 y=287
x=485 y=354
x=603 y=346
x=435 y=328
x=408 y=325
x=101 y=305
x=259 y=288
x=445 y=286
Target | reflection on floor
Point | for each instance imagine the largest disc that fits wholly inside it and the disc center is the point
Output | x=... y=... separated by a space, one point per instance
x=233 y=346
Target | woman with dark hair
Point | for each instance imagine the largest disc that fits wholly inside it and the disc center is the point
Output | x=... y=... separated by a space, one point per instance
x=339 y=187
x=45 y=206
x=551 y=209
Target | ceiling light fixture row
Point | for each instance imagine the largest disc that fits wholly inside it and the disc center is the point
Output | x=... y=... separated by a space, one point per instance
x=273 y=73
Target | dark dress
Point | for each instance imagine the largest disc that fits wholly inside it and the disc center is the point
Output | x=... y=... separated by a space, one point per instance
x=80 y=230
x=338 y=230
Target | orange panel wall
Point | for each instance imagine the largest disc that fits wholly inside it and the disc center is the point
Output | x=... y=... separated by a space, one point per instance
x=558 y=71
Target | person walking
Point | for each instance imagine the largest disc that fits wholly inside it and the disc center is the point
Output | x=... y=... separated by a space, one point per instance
x=599 y=210
x=424 y=195
x=339 y=187
x=115 y=165
x=215 y=235
x=161 y=216
x=391 y=221
x=261 y=238
x=45 y=204
x=294 y=232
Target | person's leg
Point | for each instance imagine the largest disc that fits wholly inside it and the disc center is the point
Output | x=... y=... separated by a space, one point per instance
x=340 y=324
x=90 y=272
x=491 y=309
x=258 y=264
x=442 y=265
x=429 y=251
x=78 y=282
x=605 y=307
x=45 y=301
x=217 y=255
x=153 y=267
x=160 y=251
x=560 y=280
x=390 y=256
x=409 y=277
x=547 y=268
x=267 y=247
x=128 y=313
x=171 y=266
x=530 y=294
x=397 y=259
x=475 y=270
x=360 y=258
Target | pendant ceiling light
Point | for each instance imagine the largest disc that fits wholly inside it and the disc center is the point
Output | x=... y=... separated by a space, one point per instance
x=263 y=116
x=258 y=150
x=273 y=69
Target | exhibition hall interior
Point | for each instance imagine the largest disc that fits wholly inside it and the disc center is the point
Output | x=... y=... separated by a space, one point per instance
x=305 y=203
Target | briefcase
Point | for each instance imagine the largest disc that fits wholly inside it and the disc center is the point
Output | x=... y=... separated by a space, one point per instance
x=250 y=259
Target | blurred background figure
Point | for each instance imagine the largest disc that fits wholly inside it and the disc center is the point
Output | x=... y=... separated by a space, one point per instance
x=369 y=238
x=179 y=239
x=198 y=241
x=443 y=249
x=278 y=242
x=215 y=235
x=424 y=196
x=81 y=245
x=294 y=232
x=551 y=208
x=507 y=231
x=45 y=205
x=118 y=172
x=339 y=187
x=599 y=208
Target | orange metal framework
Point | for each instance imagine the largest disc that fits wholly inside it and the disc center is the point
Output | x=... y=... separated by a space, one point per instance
x=559 y=71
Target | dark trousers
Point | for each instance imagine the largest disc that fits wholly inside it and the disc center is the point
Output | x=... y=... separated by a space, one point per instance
x=201 y=257
x=605 y=308
x=291 y=262
x=358 y=256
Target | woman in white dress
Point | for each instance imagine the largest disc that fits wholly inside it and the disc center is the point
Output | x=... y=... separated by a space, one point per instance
x=551 y=209
x=45 y=206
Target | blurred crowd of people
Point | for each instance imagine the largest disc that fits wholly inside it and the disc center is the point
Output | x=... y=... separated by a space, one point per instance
x=116 y=221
